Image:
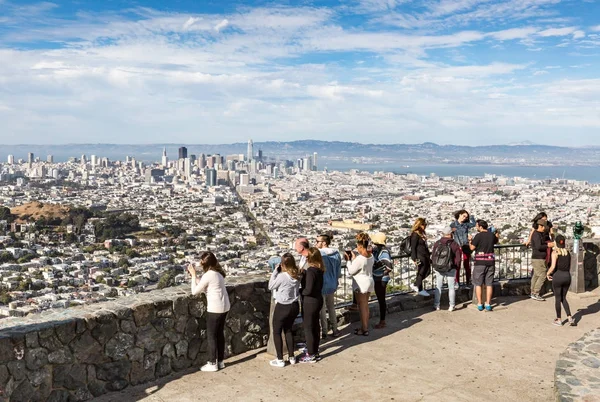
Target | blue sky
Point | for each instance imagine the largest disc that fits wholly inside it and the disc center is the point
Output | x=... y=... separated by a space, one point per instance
x=470 y=72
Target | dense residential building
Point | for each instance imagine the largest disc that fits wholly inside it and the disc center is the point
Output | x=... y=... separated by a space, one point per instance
x=78 y=233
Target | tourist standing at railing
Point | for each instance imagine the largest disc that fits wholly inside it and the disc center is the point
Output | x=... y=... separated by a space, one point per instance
x=419 y=254
x=484 y=261
x=539 y=250
x=548 y=231
x=333 y=271
x=560 y=275
x=463 y=221
x=360 y=266
x=285 y=283
x=212 y=283
x=312 y=303
x=382 y=266
x=301 y=246
x=446 y=257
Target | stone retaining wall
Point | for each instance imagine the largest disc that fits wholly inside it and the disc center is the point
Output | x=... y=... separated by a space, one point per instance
x=80 y=353
x=577 y=373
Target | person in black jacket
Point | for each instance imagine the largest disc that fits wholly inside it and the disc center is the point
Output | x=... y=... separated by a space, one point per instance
x=539 y=249
x=312 y=303
x=420 y=254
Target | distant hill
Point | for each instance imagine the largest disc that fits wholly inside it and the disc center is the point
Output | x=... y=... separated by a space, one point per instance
x=36 y=210
x=428 y=151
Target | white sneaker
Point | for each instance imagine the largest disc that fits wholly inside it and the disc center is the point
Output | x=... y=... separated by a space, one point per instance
x=423 y=293
x=451 y=308
x=277 y=363
x=437 y=308
x=209 y=367
x=414 y=288
x=292 y=360
x=221 y=365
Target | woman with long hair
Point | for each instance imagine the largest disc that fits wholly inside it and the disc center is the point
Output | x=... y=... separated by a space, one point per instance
x=312 y=303
x=285 y=282
x=212 y=283
x=463 y=221
x=559 y=274
x=419 y=254
x=360 y=266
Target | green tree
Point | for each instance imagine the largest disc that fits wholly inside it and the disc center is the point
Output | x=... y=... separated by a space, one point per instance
x=6 y=257
x=24 y=285
x=123 y=263
x=131 y=253
x=6 y=215
x=166 y=280
x=26 y=258
x=5 y=297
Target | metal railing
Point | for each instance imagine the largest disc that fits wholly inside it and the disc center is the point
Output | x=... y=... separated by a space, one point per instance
x=513 y=261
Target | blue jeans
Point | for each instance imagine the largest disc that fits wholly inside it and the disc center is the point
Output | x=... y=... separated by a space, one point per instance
x=437 y=294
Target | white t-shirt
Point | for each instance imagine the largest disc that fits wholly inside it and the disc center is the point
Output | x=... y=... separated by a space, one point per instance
x=213 y=284
x=361 y=269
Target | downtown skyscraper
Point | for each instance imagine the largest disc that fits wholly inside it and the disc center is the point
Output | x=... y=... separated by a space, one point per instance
x=250 y=150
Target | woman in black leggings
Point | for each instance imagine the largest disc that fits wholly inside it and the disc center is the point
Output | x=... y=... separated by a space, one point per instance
x=285 y=283
x=312 y=303
x=560 y=275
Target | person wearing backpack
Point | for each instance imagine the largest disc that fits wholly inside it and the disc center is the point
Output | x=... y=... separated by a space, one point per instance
x=446 y=257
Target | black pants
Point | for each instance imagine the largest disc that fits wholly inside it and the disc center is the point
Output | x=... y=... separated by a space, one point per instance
x=283 y=321
x=312 y=322
x=561 y=280
x=422 y=271
x=215 y=335
x=380 y=288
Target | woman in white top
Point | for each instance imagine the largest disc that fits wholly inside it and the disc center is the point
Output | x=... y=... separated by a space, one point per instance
x=212 y=283
x=360 y=266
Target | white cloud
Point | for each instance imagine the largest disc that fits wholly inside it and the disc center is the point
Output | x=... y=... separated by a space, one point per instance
x=221 y=25
x=191 y=21
x=513 y=33
x=285 y=70
x=558 y=31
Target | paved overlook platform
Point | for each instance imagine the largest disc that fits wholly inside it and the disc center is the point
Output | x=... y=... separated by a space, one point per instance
x=509 y=354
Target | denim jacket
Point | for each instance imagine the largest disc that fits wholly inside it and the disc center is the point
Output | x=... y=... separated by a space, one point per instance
x=462 y=231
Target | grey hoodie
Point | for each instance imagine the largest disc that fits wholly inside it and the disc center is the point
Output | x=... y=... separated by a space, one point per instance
x=286 y=288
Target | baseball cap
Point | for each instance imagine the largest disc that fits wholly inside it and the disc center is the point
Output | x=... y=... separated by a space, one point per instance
x=447 y=230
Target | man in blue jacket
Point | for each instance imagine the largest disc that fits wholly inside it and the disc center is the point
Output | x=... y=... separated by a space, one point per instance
x=333 y=271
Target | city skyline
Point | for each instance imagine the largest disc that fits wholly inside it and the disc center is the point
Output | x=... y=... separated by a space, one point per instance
x=449 y=72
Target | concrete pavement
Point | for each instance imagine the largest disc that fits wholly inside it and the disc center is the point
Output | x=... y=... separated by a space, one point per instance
x=423 y=355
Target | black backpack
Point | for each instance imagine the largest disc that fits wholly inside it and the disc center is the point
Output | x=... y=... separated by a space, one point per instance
x=405 y=249
x=441 y=259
